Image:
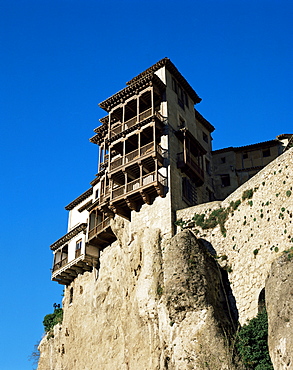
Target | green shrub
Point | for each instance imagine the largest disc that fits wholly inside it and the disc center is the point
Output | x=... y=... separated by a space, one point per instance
x=252 y=343
x=52 y=319
x=247 y=194
x=180 y=223
x=288 y=193
x=235 y=205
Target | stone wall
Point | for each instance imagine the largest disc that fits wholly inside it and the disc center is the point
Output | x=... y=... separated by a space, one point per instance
x=254 y=234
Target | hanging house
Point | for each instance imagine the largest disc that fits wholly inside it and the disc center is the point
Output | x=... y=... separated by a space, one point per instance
x=154 y=157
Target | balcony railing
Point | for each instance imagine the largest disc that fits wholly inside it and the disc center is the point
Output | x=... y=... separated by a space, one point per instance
x=189 y=164
x=99 y=228
x=105 y=195
x=146 y=149
x=139 y=183
x=119 y=127
x=60 y=264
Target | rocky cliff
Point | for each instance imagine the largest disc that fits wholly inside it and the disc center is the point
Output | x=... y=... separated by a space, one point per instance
x=171 y=303
x=151 y=305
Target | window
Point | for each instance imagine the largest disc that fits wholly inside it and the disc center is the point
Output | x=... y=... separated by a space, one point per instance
x=223 y=160
x=205 y=137
x=225 y=179
x=70 y=295
x=186 y=99
x=245 y=155
x=181 y=122
x=78 y=244
x=78 y=248
x=266 y=153
x=182 y=96
x=174 y=85
x=189 y=192
x=208 y=167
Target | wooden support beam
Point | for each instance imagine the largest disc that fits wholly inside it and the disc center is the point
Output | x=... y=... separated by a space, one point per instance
x=131 y=204
x=146 y=197
x=107 y=211
x=119 y=211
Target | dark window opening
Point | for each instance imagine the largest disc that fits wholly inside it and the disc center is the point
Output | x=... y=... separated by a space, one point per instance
x=223 y=159
x=174 y=85
x=225 y=179
x=205 y=137
x=208 y=167
x=266 y=153
x=70 y=295
x=182 y=96
x=181 y=122
x=245 y=155
x=189 y=191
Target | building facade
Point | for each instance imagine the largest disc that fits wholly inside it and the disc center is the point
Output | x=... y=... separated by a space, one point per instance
x=233 y=166
x=155 y=158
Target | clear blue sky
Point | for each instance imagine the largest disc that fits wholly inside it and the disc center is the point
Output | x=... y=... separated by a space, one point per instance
x=59 y=59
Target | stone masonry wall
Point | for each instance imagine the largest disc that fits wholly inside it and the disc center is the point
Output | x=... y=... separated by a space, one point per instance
x=255 y=233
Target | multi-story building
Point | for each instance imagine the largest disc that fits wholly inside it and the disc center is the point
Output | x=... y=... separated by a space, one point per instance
x=233 y=166
x=155 y=158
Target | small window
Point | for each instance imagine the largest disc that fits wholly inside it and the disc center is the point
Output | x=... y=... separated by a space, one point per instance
x=78 y=248
x=225 y=179
x=186 y=99
x=181 y=122
x=208 y=167
x=245 y=155
x=78 y=244
x=71 y=295
x=174 y=85
x=266 y=153
x=189 y=194
x=205 y=137
x=97 y=193
x=223 y=159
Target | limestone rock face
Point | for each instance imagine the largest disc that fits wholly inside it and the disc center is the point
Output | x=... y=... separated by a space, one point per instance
x=279 y=302
x=153 y=304
x=196 y=305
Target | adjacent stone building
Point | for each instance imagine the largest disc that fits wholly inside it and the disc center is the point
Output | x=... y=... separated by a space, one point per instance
x=233 y=166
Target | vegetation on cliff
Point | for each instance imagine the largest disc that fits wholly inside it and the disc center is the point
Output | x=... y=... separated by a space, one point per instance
x=252 y=343
x=52 y=319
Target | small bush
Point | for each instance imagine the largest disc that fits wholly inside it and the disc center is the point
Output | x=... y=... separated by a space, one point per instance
x=288 y=193
x=52 y=319
x=235 y=205
x=247 y=194
x=180 y=223
x=252 y=343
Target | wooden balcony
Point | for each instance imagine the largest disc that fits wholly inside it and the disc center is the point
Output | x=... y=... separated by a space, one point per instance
x=119 y=127
x=101 y=235
x=133 y=194
x=60 y=264
x=138 y=154
x=65 y=271
x=189 y=165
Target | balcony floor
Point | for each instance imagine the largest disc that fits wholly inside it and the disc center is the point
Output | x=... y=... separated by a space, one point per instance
x=66 y=274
